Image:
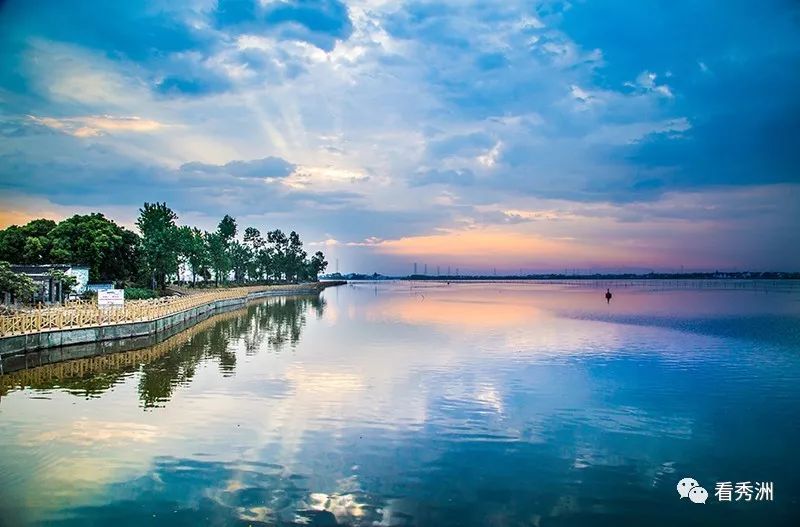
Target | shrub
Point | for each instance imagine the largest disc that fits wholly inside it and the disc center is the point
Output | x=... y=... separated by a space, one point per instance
x=139 y=293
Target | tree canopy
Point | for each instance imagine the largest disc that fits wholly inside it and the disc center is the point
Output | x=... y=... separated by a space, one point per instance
x=160 y=241
x=110 y=251
x=18 y=285
x=161 y=249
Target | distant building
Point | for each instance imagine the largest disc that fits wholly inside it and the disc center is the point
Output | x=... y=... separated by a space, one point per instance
x=49 y=290
x=100 y=286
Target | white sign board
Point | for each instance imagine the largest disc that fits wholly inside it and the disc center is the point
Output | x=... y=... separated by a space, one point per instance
x=111 y=298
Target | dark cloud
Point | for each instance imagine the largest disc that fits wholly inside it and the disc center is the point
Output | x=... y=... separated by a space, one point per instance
x=99 y=175
x=320 y=23
x=268 y=167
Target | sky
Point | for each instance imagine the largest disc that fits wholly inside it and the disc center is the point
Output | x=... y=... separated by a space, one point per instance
x=520 y=136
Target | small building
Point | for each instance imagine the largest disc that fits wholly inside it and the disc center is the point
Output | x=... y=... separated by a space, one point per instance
x=49 y=289
x=99 y=286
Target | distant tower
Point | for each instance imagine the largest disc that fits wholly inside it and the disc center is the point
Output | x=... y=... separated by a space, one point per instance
x=457 y=271
x=437 y=270
x=426 y=270
x=337 y=266
x=415 y=267
x=495 y=271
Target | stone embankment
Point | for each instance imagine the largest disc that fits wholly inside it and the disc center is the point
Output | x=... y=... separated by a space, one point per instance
x=84 y=324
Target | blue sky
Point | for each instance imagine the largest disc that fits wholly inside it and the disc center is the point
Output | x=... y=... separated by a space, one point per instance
x=517 y=135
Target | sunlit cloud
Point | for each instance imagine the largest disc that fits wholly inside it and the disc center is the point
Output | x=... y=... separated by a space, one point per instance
x=322 y=177
x=94 y=125
x=473 y=246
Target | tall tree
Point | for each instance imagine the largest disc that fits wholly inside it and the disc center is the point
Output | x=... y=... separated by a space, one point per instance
x=226 y=232
x=159 y=241
x=218 y=256
x=110 y=251
x=194 y=251
x=317 y=265
x=280 y=250
x=227 y=228
x=265 y=260
x=255 y=243
x=295 y=257
x=241 y=256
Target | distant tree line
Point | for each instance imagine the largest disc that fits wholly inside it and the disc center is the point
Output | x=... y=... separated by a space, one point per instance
x=155 y=255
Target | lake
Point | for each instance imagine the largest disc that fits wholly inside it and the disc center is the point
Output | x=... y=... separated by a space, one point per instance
x=426 y=404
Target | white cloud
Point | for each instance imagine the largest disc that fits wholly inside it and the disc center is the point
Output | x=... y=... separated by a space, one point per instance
x=646 y=80
x=94 y=125
x=489 y=159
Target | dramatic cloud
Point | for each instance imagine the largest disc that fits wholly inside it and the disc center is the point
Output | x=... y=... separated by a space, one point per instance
x=269 y=167
x=537 y=134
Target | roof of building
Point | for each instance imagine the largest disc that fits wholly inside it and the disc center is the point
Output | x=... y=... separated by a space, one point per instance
x=41 y=269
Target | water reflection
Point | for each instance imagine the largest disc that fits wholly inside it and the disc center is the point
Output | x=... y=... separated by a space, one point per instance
x=278 y=322
x=475 y=405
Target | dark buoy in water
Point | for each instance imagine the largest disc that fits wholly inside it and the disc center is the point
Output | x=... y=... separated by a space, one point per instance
x=608 y=296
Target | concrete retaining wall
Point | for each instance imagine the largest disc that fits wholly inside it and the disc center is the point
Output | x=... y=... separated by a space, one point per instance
x=13 y=350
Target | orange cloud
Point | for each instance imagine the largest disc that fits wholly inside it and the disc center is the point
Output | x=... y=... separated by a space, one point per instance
x=485 y=246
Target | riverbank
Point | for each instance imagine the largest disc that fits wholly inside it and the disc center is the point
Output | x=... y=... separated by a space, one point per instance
x=32 y=348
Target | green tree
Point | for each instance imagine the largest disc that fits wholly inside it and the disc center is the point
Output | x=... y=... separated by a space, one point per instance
x=256 y=244
x=194 y=251
x=110 y=251
x=265 y=261
x=295 y=257
x=280 y=251
x=220 y=248
x=28 y=244
x=160 y=241
x=19 y=285
x=317 y=265
x=218 y=256
x=227 y=228
x=252 y=237
x=241 y=259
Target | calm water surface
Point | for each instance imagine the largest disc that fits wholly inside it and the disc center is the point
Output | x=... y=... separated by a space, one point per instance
x=429 y=405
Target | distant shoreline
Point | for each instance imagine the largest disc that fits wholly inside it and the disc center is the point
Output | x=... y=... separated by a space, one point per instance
x=772 y=276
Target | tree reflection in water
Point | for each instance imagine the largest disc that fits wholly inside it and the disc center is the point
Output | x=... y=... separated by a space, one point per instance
x=162 y=367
